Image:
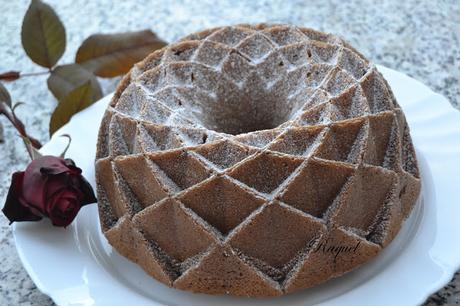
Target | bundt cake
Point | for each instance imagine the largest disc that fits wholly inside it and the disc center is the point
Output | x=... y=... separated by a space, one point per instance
x=254 y=160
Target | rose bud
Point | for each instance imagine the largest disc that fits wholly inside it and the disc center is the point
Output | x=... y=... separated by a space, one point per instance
x=50 y=187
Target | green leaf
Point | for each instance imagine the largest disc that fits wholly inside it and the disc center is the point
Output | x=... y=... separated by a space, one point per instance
x=43 y=34
x=75 y=101
x=109 y=55
x=5 y=95
x=64 y=79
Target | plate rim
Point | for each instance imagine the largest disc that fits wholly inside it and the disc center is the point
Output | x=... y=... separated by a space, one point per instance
x=449 y=266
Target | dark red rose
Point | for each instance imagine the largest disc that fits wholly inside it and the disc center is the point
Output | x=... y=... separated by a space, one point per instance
x=50 y=187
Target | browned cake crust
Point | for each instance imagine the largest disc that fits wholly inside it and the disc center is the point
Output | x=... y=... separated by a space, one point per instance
x=232 y=161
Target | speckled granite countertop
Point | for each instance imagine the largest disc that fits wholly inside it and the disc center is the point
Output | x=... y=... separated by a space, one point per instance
x=419 y=38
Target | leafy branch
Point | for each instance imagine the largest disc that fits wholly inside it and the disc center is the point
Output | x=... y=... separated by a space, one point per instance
x=7 y=108
x=74 y=85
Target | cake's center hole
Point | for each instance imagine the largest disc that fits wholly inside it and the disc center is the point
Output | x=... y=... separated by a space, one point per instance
x=245 y=112
x=255 y=105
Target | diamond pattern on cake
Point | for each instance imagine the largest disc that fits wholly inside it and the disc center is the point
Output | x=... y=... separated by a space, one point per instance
x=212 y=53
x=257 y=139
x=150 y=62
x=226 y=159
x=114 y=188
x=103 y=147
x=266 y=171
x=224 y=154
x=283 y=36
x=344 y=141
x=153 y=79
x=121 y=236
x=338 y=81
x=180 y=167
x=235 y=67
x=230 y=36
x=318 y=74
x=389 y=219
x=293 y=80
x=364 y=197
x=154 y=137
x=314 y=35
x=314 y=190
x=196 y=136
x=222 y=271
x=159 y=264
x=296 y=54
x=173 y=230
x=409 y=188
x=169 y=98
x=315 y=98
x=138 y=174
x=192 y=100
x=318 y=266
x=323 y=52
x=276 y=235
x=298 y=141
x=376 y=92
x=131 y=101
x=180 y=52
x=271 y=69
x=381 y=141
x=409 y=159
x=122 y=136
x=221 y=203
x=255 y=47
x=106 y=211
x=352 y=63
x=350 y=104
x=155 y=112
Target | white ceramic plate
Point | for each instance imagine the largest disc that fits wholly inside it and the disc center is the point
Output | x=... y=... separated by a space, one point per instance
x=76 y=266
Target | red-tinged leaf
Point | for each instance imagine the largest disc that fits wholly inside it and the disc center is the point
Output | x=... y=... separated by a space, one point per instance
x=75 y=101
x=69 y=141
x=31 y=148
x=64 y=79
x=109 y=55
x=2 y=135
x=8 y=111
x=4 y=96
x=10 y=76
x=19 y=126
x=43 y=34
